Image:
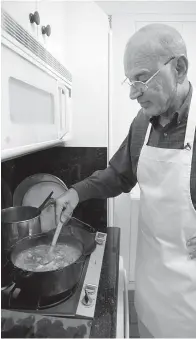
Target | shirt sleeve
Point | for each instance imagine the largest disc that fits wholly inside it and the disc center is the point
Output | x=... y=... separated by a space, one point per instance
x=118 y=177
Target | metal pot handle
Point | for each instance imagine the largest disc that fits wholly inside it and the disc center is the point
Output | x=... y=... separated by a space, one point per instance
x=20 y=274
x=48 y=201
x=80 y=223
x=26 y=274
x=87 y=226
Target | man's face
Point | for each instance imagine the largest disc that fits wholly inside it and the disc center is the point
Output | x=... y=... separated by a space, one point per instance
x=161 y=92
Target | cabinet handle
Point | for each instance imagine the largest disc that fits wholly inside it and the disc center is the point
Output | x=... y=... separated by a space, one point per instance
x=46 y=30
x=34 y=18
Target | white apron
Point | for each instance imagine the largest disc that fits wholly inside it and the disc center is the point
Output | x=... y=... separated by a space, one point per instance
x=165 y=295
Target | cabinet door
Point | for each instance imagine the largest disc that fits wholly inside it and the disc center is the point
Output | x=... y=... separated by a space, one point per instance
x=53 y=13
x=19 y=11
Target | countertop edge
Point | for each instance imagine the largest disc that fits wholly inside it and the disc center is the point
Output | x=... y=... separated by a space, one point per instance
x=105 y=319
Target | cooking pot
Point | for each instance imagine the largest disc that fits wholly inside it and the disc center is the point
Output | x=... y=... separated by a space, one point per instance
x=52 y=283
x=21 y=221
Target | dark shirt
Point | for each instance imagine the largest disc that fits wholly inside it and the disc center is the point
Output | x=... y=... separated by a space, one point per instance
x=120 y=176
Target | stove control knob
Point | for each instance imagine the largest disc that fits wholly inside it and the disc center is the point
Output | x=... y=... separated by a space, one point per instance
x=91 y=289
x=100 y=238
x=87 y=300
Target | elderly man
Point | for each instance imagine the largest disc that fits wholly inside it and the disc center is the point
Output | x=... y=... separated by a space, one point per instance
x=160 y=154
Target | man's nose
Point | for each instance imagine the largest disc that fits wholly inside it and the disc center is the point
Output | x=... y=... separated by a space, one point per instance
x=134 y=93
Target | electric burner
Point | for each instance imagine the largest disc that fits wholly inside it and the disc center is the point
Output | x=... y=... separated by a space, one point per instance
x=25 y=300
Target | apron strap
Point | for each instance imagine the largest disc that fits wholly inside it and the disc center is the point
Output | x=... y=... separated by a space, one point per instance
x=191 y=122
x=147 y=134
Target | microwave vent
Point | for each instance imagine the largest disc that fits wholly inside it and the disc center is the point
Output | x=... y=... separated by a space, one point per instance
x=10 y=26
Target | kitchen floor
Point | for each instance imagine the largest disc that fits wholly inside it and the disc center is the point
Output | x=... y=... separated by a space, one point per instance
x=133 y=328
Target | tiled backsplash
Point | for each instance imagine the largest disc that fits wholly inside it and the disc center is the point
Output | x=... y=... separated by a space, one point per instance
x=70 y=164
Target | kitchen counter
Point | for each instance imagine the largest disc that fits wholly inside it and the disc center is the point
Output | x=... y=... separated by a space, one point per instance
x=103 y=325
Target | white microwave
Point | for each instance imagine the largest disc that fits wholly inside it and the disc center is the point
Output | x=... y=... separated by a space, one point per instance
x=35 y=93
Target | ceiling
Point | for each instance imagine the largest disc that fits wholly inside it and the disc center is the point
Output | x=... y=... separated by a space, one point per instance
x=145 y=6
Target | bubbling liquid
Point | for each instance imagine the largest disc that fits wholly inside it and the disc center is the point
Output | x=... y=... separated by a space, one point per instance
x=34 y=258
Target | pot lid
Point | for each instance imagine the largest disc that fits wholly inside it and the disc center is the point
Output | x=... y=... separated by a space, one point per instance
x=34 y=189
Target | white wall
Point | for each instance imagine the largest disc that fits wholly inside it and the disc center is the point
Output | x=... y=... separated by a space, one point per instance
x=87 y=42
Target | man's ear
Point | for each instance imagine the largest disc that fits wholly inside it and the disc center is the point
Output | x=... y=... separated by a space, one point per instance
x=181 y=68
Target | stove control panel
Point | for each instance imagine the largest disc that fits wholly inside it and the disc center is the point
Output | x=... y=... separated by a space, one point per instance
x=88 y=297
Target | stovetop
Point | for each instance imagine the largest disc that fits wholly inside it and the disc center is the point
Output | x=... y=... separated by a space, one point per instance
x=64 y=304
x=76 y=303
x=18 y=324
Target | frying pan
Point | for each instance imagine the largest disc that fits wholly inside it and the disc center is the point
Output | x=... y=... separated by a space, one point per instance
x=52 y=283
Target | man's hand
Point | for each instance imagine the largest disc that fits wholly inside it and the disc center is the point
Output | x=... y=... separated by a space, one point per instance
x=66 y=204
x=191 y=244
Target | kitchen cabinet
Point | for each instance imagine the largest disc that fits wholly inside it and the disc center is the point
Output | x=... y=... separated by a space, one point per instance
x=20 y=10
x=54 y=14
x=50 y=13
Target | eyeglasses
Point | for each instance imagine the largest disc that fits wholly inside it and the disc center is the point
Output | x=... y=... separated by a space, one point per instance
x=141 y=86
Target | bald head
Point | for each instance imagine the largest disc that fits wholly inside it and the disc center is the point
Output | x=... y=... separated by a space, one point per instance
x=146 y=53
x=155 y=41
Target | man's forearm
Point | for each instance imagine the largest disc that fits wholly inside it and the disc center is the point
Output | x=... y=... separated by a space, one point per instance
x=118 y=177
x=101 y=184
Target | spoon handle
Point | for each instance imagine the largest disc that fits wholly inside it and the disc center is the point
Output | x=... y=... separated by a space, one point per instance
x=56 y=235
x=42 y=206
x=57 y=232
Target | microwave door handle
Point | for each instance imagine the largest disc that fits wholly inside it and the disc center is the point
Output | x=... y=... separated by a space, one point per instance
x=65 y=114
x=62 y=110
x=69 y=110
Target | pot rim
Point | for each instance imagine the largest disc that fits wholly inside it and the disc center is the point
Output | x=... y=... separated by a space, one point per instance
x=6 y=210
x=81 y=259
x=78 y=261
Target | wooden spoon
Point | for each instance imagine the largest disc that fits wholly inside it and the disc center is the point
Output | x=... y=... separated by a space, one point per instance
x=49 y=256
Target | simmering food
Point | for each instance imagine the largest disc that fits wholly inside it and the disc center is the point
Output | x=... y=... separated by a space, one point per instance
x=34 y=259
